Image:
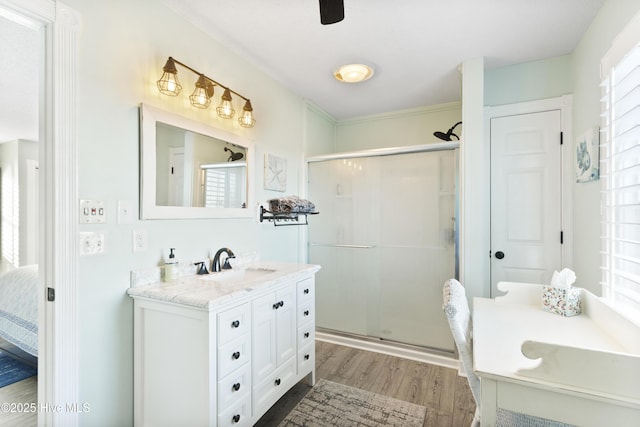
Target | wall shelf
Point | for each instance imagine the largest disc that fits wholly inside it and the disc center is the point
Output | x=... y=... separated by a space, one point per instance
x=280 y=219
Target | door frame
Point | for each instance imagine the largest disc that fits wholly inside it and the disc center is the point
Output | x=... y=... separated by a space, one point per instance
x=565 y=105
x=58 y=252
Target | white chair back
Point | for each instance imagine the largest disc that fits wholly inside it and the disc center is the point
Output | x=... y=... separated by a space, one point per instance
x=456 y=308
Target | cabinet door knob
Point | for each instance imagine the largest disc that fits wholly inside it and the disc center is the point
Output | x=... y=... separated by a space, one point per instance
x=236 y=355
x=235 y=418
x=278 y=305
x=306 y=291
x=235 y=324
x=277 y=381
x=306 y=334
x=306 y=357
x=306 y=312
x=236 y=387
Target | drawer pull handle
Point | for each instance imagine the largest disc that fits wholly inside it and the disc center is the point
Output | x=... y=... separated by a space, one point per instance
x=235 y=324
x=236 y=355
x=278 y=305
x=306 y=291
x=277 y=381
x=306 y=334
x=236 y=418
x=236 y=387
x=306 y=357
x=306 y=312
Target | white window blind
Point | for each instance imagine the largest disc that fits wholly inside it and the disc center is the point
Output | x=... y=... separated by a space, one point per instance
x=620 y=174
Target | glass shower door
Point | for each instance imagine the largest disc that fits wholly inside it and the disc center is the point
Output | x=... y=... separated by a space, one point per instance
x=385 y=241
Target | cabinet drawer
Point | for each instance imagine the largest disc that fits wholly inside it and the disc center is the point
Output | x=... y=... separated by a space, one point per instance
x=306 y=334
x=233 y=355
x=306 y=359
x=306 y=290
x=238 y=415
x=277 y=384
x=306 y=312
x=234 y=387
x=233 y=323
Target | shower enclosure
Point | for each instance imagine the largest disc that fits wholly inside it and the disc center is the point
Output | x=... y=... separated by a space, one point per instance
x=386 y=241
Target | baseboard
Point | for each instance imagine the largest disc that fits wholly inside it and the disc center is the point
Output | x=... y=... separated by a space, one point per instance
x=390 y=348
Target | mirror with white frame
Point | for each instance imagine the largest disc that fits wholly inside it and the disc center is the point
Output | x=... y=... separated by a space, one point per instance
x=191 y=170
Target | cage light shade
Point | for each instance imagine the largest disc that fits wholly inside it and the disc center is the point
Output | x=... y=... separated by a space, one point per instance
x=247 y=120
x=168 y=83
x=225 y=109
x=200 y=98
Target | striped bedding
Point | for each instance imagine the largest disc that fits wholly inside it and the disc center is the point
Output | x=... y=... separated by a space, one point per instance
x=19 y=308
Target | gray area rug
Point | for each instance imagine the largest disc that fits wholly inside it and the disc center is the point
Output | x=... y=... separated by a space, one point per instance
x=332 y=404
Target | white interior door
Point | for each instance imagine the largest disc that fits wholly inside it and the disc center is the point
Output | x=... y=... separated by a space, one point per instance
x=526 y=196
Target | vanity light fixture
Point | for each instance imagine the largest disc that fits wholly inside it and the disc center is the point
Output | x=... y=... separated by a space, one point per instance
x=225 y=109
x=353 y=73
x=168 y=83
x=203 y=92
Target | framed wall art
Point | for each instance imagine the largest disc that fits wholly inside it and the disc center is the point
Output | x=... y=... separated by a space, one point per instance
x=275 y=173
x=588 y=155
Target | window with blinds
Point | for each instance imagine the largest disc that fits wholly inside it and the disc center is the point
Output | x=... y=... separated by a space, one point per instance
x=620 y=174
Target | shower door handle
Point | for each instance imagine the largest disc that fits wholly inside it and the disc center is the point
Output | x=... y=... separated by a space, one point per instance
x=499 y=254
x=343 y=246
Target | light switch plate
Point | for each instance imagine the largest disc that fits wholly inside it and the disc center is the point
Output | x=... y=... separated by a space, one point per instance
x=125 y=212
x=92 y=212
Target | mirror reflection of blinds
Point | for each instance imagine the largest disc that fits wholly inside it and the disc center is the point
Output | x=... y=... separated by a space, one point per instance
x=224 y=185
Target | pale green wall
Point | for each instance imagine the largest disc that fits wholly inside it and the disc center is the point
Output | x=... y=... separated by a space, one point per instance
x=397 y=129
x=122 y=47
x=529 y=81
x=319 y=131
x=585 y=75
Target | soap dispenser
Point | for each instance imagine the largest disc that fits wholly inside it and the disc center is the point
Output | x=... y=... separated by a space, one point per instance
x=171 y=267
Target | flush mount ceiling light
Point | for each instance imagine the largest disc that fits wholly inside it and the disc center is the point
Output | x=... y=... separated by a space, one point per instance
x=203 y=92
x=353 y=73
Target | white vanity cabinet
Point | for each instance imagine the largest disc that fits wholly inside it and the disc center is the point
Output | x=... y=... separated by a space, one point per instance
x=274 y=340
x=203 y=361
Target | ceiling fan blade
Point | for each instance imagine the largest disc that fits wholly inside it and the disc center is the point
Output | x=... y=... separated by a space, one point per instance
x=331 y=11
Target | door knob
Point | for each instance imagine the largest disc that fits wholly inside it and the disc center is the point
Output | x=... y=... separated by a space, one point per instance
x=499 y=254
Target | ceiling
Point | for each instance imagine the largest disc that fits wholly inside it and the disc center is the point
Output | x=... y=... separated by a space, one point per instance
x=415 y=47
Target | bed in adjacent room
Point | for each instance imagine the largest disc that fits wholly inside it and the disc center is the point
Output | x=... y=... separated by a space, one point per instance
x=19 y=312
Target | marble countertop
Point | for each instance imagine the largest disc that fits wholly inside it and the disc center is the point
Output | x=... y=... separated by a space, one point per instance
x=209 y=291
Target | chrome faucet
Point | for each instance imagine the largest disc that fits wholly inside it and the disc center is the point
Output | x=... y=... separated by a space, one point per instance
x=215 y=264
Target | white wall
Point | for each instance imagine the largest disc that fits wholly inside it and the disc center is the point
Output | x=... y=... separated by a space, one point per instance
x=123 y=46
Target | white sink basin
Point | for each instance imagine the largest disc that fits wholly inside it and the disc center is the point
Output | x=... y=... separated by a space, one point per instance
x=237 y=276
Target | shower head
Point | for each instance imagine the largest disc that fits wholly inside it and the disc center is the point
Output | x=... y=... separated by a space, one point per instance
x=233 y=156
x=447 y=136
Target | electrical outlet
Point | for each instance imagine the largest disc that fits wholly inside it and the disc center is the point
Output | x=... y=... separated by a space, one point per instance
x=92 y=243
x=139 y=240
